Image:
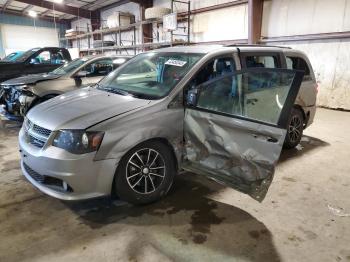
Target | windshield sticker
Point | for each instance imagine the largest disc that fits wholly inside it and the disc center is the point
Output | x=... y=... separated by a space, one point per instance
x=175 y=62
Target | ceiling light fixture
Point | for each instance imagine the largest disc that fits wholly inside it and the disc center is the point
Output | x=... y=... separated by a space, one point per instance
x=58 y=1
x=32 y=13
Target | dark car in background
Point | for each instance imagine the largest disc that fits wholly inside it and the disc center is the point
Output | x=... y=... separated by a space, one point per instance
x=22 y=93
x=33 y=61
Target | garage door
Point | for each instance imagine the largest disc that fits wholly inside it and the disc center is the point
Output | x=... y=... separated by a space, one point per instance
x=16 y=37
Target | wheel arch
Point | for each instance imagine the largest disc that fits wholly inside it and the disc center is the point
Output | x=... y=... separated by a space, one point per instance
x=305 y=116
x=162 y=140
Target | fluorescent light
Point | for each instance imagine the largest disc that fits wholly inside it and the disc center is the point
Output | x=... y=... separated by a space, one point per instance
x=119 y=61
x=32 y=13
x=58 y=1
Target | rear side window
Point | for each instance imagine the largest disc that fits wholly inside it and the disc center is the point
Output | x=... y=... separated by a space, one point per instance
x=265 y=61
x=298 y=63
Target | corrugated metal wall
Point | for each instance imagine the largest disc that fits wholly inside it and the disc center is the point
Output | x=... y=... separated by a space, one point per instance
x=330 y=58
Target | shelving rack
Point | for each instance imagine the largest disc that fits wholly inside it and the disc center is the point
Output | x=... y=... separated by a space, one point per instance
x=134 y=44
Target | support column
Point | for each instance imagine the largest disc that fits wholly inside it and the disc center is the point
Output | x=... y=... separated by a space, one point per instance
x=255 y=12
x=147 y=28
x=2 y=50
x=96 y=23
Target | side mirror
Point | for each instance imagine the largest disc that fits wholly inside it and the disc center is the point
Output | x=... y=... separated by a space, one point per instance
x=191 y=98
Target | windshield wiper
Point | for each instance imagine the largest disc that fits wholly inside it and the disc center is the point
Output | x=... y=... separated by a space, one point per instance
x=113 y=90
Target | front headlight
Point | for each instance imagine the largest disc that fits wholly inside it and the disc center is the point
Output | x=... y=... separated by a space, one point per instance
x=78 y=141
x=25 y=90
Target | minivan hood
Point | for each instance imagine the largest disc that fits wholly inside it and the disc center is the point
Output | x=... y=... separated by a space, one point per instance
x=82 y=108
x=30 y=79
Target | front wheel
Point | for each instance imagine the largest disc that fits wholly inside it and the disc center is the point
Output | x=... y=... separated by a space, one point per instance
x=295 y=129
x=145 y=173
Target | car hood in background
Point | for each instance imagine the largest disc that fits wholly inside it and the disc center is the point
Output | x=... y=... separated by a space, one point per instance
x=82 y=108
x=30 y=79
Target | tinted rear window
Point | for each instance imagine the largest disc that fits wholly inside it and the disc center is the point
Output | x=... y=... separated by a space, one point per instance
x=298 y=63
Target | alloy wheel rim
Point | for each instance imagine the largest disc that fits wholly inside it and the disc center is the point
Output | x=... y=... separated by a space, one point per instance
x=294 y=132
x=145 y=171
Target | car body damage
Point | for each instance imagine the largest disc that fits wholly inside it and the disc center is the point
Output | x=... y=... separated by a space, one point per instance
x=222 y=151
x=235 y=144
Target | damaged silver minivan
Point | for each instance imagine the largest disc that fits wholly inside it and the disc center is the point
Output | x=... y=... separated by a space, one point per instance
x=180 y=108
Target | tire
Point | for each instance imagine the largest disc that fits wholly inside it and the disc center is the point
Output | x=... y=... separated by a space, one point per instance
x=143 y=182
x=156 y=12
x=295 y=129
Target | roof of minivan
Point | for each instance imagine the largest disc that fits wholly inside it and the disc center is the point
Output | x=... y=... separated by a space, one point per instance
x=204 y=49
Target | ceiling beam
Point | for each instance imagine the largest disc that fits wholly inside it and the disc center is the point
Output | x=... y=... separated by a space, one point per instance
x=119 y=3
x=27 y=8
x=71 y=10
x=46 y=18
x=8 y=2
x=45 y=13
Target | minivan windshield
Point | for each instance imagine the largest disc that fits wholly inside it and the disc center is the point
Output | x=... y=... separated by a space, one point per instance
x=69 y=67
x=150 y=75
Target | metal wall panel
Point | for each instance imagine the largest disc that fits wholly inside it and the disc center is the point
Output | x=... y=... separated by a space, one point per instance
x=330 y=58
x=331 y=63
x=297 y=17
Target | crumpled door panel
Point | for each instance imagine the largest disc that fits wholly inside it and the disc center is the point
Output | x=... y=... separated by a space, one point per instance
x=233 y=151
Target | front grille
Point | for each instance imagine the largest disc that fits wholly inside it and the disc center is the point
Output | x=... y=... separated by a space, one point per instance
x=36 y=135
x=36 y=176
x=52 y=182
x=42 y=131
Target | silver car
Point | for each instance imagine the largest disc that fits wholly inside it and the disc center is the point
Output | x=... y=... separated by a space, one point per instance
x=181 y=108
x=22 y=93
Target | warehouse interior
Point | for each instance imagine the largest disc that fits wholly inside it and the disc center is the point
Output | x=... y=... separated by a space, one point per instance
x=57 y=55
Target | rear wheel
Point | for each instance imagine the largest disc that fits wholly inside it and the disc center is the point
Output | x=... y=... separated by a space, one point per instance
x=295 y=129
x=145 y=173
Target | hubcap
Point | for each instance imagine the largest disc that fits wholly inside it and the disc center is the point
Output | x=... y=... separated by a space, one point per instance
x=145 y=171
x=294 y=131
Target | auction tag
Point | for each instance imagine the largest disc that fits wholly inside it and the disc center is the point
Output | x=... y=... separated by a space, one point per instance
x=175 y=62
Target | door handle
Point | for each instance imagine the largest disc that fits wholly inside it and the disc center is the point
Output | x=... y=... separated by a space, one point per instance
x=272 y=140
x=266 y=138
x=252 y=101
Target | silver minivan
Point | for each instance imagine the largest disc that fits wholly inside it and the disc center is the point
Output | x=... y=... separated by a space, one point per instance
x=198 y=109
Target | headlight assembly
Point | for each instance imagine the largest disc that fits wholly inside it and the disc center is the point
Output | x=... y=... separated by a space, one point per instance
x=78 y=141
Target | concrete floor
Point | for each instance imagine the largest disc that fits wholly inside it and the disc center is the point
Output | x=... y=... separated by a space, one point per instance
x=305 y=216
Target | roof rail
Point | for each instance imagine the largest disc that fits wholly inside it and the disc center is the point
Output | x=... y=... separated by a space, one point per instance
x=257 y=45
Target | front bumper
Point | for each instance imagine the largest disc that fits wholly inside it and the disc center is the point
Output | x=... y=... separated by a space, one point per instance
x=63 y=175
